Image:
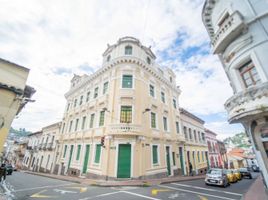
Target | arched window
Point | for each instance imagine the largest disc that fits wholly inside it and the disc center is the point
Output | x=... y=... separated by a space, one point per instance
x=128 y=50
x=148 y=60
x=108 y=58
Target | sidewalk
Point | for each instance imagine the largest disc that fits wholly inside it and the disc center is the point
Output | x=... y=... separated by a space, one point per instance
x=104 y=183
x=256 y=191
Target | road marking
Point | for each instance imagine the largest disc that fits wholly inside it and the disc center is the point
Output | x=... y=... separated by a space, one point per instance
x=40 y=195
x=81 y=189
x=64 y=191
x=101 y=195
x=42 y=187
x=208 y=189
x=155 y=191
x=202 y=198
x=189 y=191
x=139 y=195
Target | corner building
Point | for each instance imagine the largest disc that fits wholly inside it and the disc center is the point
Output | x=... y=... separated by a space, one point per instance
x=239 y=36
x=131 y=106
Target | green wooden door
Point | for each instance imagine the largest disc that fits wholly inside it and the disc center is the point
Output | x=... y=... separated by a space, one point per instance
x=124 y=161
x=168 y=160
x=181 y=160
x=86 y=158
x=71 y=154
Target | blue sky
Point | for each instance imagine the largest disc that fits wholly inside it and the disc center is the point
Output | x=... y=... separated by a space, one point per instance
x=56 y=39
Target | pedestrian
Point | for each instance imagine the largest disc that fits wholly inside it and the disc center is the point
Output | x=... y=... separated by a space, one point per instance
x=3 y=172
x=191 y=169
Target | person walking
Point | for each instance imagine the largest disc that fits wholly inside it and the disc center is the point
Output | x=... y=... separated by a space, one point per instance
x=191 y=169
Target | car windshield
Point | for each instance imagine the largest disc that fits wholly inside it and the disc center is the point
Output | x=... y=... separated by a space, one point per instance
x=215 y=172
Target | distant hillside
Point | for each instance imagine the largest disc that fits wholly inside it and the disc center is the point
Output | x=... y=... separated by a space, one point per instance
x=19 y=133
x=239 y=140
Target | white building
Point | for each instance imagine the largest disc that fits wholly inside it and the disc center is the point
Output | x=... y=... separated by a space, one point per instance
x=239 y=35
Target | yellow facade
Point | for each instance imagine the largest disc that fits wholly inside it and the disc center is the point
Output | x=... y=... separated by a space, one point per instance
x=149 y=140
x=14 y=94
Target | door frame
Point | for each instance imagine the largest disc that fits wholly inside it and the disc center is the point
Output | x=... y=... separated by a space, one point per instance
x=84 y=154
x=181 y=153
x=117 y=143
x=170 y=159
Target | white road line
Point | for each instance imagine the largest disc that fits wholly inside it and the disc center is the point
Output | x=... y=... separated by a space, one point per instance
x=189 y=191
x=101 y=195
x=208 y=189
x=41 y=187
x=139 y=195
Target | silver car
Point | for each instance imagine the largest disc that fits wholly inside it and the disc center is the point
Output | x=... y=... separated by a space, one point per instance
x=216 y=176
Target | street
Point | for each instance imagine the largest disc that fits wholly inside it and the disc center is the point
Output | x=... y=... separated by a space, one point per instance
x=23 y=186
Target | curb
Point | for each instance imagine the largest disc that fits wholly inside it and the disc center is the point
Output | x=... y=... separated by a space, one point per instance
x=143 y=183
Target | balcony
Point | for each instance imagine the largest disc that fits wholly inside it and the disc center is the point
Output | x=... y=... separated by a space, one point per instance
x=227 y=32
x=125 y=129
x=252 y=101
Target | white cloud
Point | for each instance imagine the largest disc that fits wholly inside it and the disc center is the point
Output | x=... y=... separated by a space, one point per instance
x=57 y=38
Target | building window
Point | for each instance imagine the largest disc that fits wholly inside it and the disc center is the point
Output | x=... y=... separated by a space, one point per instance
x=96 y=91
x=174 y=103
x=63 y=127
x=75 y=102
x=148 y=60
x=101 y=122
x=92 y=116
x=88 y=96
x=177 y=127
x=97 y=154
x=78 y=152
x=68 y=106
x=190 y=134
x=249 y=74
x=203 y=157
x=155 y=154
x=152 y=90
x=127 y=81
x=65 y=150
x=83 y=122
x=203 y=137
x=163 y=97
x=81 y=100
x=174 y=158
x=126 y=114
x=165 y=123
x=185 y=133
x=199 y=136
x=195 y=138
x=105 y=87
x=128 y=50
x=70 y=126
x=153 y=120
x=198 y=156
x=108 y=58
x=76 y=125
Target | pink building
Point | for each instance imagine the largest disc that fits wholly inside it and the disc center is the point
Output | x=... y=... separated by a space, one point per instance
x=215 y=159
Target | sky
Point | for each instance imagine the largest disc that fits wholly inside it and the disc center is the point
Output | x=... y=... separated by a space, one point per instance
x=58 y=38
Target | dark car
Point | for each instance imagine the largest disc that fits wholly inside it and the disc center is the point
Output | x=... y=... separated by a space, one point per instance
x=245 y=173
x=9 y=169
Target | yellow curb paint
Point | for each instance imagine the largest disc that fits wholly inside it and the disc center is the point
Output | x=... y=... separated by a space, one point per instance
x=155 y=191
x=202 y=198
x=40 y=195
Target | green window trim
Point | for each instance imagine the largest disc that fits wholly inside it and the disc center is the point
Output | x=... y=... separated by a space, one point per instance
x=83 y=122
x=153 y=120
x=155 y=154
x=174 y=158
x=78 y=152
x=92 y=116
x=163 y=97
x=127 y=81
x=126 y=114
x=70 y=126
x=65 y=149
x=76 y=124
x=101 y=122
x=152 y=91
x=97 y=154
x=174 y=103
x=105 y=87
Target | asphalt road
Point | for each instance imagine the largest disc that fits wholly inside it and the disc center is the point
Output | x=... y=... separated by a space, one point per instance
x=23 y=186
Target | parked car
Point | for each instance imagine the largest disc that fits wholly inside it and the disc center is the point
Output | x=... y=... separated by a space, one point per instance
x=9 y=169
x=237 y=174
x=245 y=173
x=231 y=176
x=216 y=177
x=255 y=168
